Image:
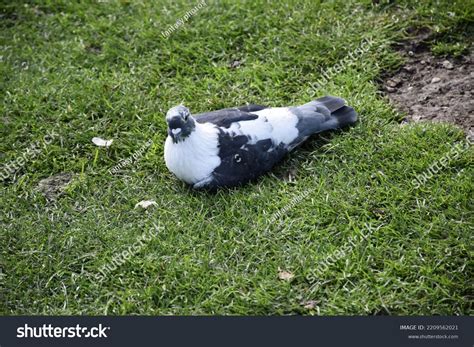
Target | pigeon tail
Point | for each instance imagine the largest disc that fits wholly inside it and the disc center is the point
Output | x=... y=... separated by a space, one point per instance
x=345 y=116
x=326 y=113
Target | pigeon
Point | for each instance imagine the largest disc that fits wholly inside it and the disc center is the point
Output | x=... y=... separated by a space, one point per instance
x=233 y=146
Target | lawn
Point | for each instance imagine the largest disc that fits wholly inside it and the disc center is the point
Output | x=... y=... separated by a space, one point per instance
x=349 y=232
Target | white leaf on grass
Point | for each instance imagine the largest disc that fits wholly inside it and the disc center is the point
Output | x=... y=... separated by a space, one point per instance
x=285 y=275
x=101 y=142
x=146 y=203
x=310 y=304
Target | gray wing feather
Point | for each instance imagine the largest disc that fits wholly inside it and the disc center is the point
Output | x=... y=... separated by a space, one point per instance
x=225 y=117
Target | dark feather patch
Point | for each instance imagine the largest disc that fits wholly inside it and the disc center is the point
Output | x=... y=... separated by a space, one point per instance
x=242 y=161
x=252 y=108
x=225 y=117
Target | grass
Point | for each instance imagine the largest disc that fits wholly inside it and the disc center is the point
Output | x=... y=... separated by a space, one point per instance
x=104 y=69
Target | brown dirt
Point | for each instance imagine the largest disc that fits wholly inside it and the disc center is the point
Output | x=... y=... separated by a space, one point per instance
x=52 y=187
x=430 y=88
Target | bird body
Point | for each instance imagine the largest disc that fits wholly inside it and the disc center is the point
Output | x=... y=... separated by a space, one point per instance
x=232 y=146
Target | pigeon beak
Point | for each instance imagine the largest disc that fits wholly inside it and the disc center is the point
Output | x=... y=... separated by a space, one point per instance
x=174 y=133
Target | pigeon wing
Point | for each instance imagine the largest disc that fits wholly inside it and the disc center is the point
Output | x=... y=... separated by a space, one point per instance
x=225 y=117
x=251 y=108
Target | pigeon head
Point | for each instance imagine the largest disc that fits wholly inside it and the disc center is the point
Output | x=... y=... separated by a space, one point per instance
x=180 y=123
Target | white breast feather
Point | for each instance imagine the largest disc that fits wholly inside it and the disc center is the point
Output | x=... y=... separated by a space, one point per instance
x=195 y=158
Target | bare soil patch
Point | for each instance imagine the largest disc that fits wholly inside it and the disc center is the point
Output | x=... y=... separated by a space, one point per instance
x=52 y=187
x=430 y=88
